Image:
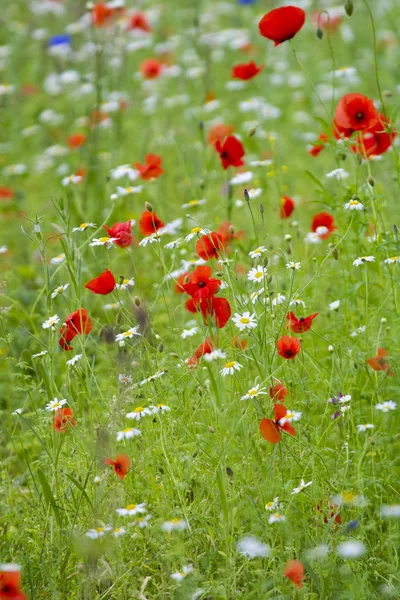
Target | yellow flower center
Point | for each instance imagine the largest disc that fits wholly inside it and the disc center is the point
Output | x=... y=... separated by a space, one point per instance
x=258 y=274
x=129 y=190
x=117 y=530
x=252 y=392
x=289 y=415
x=100 y=529
x=103 y=240
x=125 y=281
x=269 y=504
x=175 y=521
x=394 y=258
x=349 y=496
x=83 y=226
x=196 y=230
x=244 y=320
x=127 y=430
x=160 y=405
x=354 y=202
x=229 y=365
x=56 y=405
x=138 y=409
x=131 y=507
x=126 y=334
x=193 y=202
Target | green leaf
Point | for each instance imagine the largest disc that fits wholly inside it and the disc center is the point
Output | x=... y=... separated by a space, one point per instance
x=48 y=495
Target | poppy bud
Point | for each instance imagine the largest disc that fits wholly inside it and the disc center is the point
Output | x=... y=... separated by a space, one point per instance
x=371 y=181
x=320 y=33
x=219 y=274
x=246 y=196
x=261 y=209
x=253 y=131
x=349 y=7
x=118 y=318
x=148 y=206
x=396 y=230
x=101 y=331
x=136 y=301
x=160 y=348
x=211 y=429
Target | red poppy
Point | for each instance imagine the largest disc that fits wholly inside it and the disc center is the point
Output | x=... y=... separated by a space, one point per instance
x=294 y=570
x=152 y=167
x=179 y=289
x=246 y=70
x=239 y=343
x=205 y=348
x=200 y=285
x=281 y=24
x=299 y=325
x=288 y=347
x=10 y=581
x=379 y=362
x=219 y=132
x=120 y=464
x=324 y=224
x=138 y=21
x=278 y=392
x=355 y=112
x=332 y=513
x=287 y=207
x=102 y=14
x=76 y=140
x=6 y=193
x=76 y=323
x=227 y=233
x=271 y=428
x=209 y=246
x=319 y=145
x=122 y=232
x=375 y=140
x=231 y=152
x=151 y=68
x=63 y=418
x=103 y=284
x=216 y=309
x=149 y=222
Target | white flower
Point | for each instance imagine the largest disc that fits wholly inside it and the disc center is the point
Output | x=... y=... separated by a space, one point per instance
x=182 y=574
x=59 y=290
x=103 y=241
x=138 y=413
x=121 y=191
x=172 y=245
x=174 y=525
x=254 y=193
x=132 y=509
x=51 y=322
x=189 y=332
x=74 y=360
x=365 y=426
x=128 y=433
x=338 y=174
x=351 y=549
x=195 y=232
x=71 y=180
x=160 y=408
x=280 y=299
x=289 y=417
x=42 y=353
x=151 y=239
x=253 y=392
x=297 y=302
x=127 y=335
x=17 y=411
x=390 y=511
x=272 y=505
x=119 y=531
x=353 y=205
x=358 y=331
x=142 y=521
x=126 y=379
x=251 y=547
x=113 y=305
x=84 y=226
x=362 y=260
x=257 y=252
x=245 y=321
x=124 y=171
x=313 y=238
x=293 y=265
x=55 y=404
x=153 y=377
x=99 y=532
x=230 y=368
x=386 y=406
x=301 y=487
x=241 y=178
x=276 y=518
x=214 y=355
x=392 y=260
x=257 y=273
x=57 y=260
x=193 y=203
x=126 y=283
x=344 y=399
x=334 y=305
x=3 y=249
x=254 y=296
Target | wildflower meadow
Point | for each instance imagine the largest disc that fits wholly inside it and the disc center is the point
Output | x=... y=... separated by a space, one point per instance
x=199 y=299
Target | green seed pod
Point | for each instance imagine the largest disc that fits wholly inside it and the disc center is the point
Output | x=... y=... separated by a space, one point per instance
x=371 y=181
x=320 y=33
x=148 y=206
x=349 y=7
x=136 y=301
x=160 y=348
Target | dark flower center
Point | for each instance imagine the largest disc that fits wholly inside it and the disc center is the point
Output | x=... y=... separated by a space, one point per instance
x=201 y=284
x=224 y=154
x=289 y=352
x=359 y=115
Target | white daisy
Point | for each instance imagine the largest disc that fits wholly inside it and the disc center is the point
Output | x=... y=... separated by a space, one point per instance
x=390 y=511
x=230 y=368
x=84 y=226
x=253 y=392
x=289 y=417
x=42 y=353
x=392 y=260
x=338 y=174
x=365 y=426
x=160 y=408
x=351 y=549
x=189 y=332
x=353 y=205
x=132 y=509
x=71 y=180
x=180 y=575
x=74 y=360
x=241 y=178
x=257 y=252
x=57 y=260
x=128 y=433
x=103 y=241
x=125 y=379
x=172 y=245
x=127 y=335
x=257 y=273
x=276 y=518
x=142 y=522
x=386 y=406
x=334 y=305
x=195 y=232
x=194 y=203
x=97 y=533
x=272 y=505
x=121 y=191
x=254 y=296
x=245 y=321
x=280 y=299
x=119 y=531
x=51 y=322
x=251 y=547
x=295 y=266
x=138 y=413
x=59 y=290
x=361 y=260
x=124 y=171
x=126 y=283
x=301 y=487
x=297 y=302
x=55 y=404
x=174 y=525
x=214 y=355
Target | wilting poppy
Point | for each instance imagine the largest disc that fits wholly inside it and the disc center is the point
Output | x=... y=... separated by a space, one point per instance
x=294 y=570
x=120 y=464
x=76 y=323
x=271 y=428
x=205 y=348
x=209 y=246
x=139 y=21
x=63 y=418
x=355 y=112
x=324 y=224
x=121 y=232
x=379 y=362
x=10 y=581
x=103 y=284
x=76 y=140
x=149 y=222
x=200 y=285
x=288 y=347
x=319 y=145
x=299 y=325
x=281 y=24
x=287 y=207
x=151 y=68
x=278 y=392
x=246 y=70
x=219 y=132
x=216 y=309
x=231 y=152
x=152 y=167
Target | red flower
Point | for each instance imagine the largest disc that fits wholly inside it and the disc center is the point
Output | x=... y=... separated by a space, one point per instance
x=288 y=347
x=149 y=222
x=246 y=70
x=103 y=284
x=294 y=570
x=227 y=233
x=219 y=132
x=271 y=429
x=10 y=581
x=122 y=232
x=200 y=285
x=151 y=68
x=323 y=224
x=179 y=289
x=299 y=325
x=209 y=246
x=287 y=207
x=152 y=167
x=216 y=309
x=319 y=145
x=139 y=21
x=281 y=24
x=76 y=322
x=6 y=193
x=102 y=14
x=120 y=464
x=62 y=419
x=76 y=140
x=333 y=513
x=205 y=348
x=375 y=140
x=355 y=112
x=278 y=392
x=379 y=362
x=231 y=152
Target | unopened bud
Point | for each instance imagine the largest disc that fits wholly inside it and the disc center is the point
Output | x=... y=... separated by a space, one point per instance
x=349 y=7
x=161 y=348
x=148 y=206
x=136 y=301
x=252 y=131
x=383 y=320
x=320 y=33
x=211 y=429
x=118 y=318
x=246 y=196
x=371 y=181
x=231 y=230
x=201 y=125
x=174 y=355
x=261 y=209
x=288 y=237
x=101 y=331
x=121 y=344
x=330 y=348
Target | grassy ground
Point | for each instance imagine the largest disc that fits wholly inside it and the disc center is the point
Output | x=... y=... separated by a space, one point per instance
x=203 y=464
